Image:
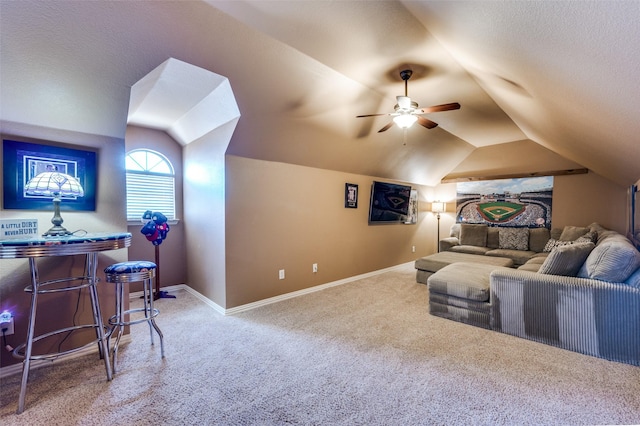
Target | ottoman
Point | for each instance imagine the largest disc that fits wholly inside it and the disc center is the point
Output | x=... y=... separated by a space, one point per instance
x=427 y=265
x=461 y=292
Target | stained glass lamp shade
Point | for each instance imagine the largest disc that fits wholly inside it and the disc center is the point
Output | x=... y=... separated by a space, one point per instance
x=56 y=185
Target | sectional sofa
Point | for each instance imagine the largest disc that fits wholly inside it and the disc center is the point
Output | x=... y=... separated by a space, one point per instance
x=578 y=288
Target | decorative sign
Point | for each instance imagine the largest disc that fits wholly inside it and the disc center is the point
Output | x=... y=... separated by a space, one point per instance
x=18 y=228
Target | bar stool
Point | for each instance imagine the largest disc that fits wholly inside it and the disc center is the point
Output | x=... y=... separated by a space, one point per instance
x=127 y=272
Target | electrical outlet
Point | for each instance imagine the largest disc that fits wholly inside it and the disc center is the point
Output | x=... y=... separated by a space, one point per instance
x=413 y=249
x=6 y=321
x=281 y=274
x=314 y=268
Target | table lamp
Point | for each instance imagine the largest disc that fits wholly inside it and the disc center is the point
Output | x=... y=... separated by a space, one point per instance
x=438 y=207
x=56 y=185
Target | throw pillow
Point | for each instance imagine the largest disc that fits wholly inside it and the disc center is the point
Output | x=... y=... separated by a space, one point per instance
x=589 y=237
x=566 y=260
x=634 y=279
x=514 y=238
x=538 y=238
x=553 y=243
x=473 y=235
x=613 y=260
x=572 y=233
x=493 y=237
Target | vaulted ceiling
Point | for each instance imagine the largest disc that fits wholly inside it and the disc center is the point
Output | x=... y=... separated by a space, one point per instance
x=543 y=85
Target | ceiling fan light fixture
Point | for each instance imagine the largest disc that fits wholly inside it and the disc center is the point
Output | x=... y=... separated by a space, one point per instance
x=404 y=121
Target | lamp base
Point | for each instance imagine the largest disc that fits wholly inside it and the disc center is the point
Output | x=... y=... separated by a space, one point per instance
x=56 y=231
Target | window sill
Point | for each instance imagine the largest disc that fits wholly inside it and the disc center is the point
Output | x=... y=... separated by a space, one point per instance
x=140 y=223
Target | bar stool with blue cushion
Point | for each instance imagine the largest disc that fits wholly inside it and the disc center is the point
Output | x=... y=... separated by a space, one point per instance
x=127 y=272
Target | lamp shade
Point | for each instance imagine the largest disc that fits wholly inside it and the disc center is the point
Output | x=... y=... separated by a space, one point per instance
x=404 y=121
x=54 y=184
x=437 y=207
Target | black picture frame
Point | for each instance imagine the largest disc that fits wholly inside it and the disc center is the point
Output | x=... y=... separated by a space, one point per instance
x=24 y=160
x=351 y=195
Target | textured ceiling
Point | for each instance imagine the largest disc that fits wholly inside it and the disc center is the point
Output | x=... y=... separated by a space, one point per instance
x=556 y=80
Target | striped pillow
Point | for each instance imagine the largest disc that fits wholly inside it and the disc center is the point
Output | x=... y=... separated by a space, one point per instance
x=613 y=260
x=566 y=260
x=634 y=279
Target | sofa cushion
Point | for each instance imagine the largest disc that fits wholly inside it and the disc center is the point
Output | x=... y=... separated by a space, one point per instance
x=437 y=261
x=533 y=264
x=536 y=260
x=555 y=233
x=493 y=237
x=531 y=267
x=464 y=280
x=538 y=237
x=473 y=235
x=566 y=260
x=469 y=249
x=514 y=238
x=613 y=260
x=572 y=233
x=519 y=257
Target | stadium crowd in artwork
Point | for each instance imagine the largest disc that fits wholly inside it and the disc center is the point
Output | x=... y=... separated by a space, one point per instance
x=507 y=202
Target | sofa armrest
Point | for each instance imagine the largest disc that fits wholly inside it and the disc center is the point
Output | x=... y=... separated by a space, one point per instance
x=447 y=243
x=592 y=317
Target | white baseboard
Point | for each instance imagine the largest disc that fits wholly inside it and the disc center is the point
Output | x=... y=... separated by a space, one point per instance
x=274 y=299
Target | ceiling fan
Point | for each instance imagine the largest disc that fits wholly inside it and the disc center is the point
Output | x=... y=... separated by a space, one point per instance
x=407 y=111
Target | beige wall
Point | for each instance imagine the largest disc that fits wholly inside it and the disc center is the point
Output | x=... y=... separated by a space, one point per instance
x=57 y=310
x=582 y=199
x=172 y=253
x=282 y=216
x=205 y=219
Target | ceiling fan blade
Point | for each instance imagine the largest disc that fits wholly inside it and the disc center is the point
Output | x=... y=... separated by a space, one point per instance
x=370 y=115
x=387 y=127
x=438 y=108
x=426 y=122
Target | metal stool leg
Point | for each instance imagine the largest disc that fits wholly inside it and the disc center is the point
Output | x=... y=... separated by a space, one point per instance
x=152 y=320
x=30 y=333
x=147 y=293
x=103 y=346
x=119 y=321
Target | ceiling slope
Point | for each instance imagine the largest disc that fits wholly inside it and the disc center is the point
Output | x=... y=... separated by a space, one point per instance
x=561 y=75
x=565 y=72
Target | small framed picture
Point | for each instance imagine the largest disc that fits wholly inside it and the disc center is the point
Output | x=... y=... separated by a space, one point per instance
x=412 y=216
x=351 y=195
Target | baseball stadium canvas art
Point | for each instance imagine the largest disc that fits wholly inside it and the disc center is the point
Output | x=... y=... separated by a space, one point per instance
x=524 y=202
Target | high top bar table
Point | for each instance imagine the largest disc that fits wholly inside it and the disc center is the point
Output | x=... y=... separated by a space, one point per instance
x=32 y=248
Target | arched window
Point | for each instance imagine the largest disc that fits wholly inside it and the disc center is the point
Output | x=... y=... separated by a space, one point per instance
x=150 y=184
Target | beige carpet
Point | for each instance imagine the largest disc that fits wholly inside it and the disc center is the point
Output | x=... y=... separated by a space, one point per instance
x=364 y=353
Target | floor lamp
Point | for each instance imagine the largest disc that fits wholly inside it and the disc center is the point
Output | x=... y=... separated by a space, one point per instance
x=438 y=207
